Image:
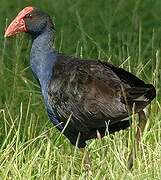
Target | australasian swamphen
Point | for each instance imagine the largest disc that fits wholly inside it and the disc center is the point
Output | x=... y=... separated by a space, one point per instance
x=95 y=94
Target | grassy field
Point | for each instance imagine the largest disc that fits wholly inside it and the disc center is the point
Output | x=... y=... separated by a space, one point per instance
x=124 y=33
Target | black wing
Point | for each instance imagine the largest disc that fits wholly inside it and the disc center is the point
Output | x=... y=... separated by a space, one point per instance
x=92 y=91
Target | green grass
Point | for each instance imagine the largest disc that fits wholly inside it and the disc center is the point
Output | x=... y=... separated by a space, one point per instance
x=125 y=33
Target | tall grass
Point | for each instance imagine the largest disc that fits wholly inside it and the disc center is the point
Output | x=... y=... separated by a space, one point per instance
x=124 y=33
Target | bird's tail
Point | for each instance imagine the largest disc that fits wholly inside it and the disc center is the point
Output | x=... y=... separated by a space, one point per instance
x=140 y=96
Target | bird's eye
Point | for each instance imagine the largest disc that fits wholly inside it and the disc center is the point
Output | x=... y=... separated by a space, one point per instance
x=29 y=16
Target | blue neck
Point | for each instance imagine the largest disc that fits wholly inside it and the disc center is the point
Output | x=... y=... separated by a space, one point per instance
x=42 y=58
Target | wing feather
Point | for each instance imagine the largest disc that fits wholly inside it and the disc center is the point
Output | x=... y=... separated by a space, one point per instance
x=86 y=89
x=93 y=92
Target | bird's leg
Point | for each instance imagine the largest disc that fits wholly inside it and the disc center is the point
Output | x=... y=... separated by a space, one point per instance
x=140 y=129
x=86 y=161
x=142 y=124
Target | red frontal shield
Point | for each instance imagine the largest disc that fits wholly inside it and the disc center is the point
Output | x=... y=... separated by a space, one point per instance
x=18 y=24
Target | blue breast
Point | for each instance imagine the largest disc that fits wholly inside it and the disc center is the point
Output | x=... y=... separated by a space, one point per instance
x=42 y=60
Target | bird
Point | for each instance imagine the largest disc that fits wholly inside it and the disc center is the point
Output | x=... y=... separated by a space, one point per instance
x=84 y=98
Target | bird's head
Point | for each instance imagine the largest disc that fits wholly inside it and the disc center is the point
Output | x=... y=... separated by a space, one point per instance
x=31 y=20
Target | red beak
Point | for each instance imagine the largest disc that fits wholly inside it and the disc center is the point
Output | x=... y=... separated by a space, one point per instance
x=18 y=24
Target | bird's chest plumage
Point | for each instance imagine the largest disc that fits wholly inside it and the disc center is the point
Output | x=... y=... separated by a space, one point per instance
x=42 y=58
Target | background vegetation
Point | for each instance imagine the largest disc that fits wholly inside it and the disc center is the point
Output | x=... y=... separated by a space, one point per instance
x=125 y=33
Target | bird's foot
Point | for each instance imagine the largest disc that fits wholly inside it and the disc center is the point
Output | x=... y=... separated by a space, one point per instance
x=86 y=161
